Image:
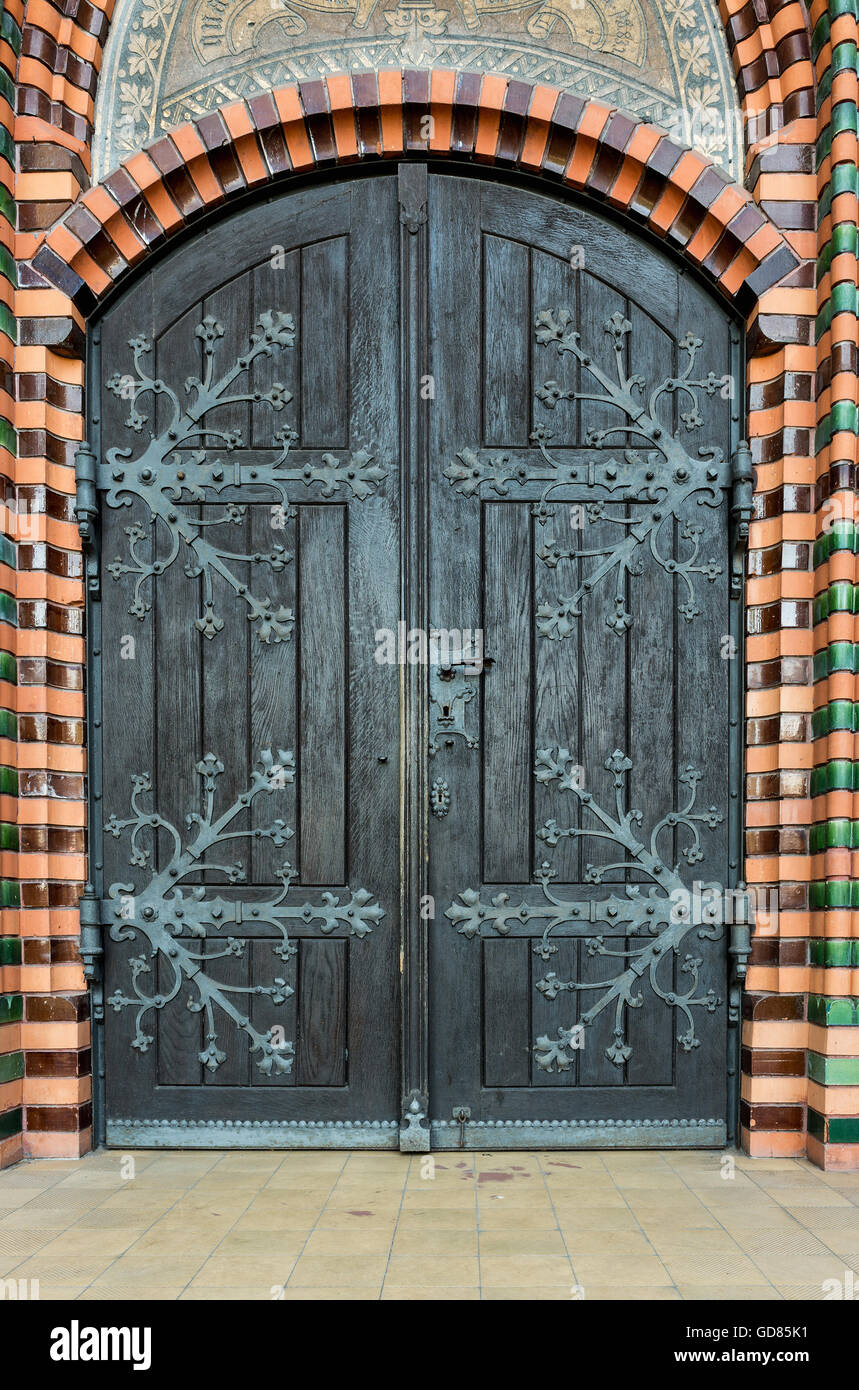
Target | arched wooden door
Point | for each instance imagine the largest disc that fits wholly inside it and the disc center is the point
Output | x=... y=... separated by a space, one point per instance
x=413 y=675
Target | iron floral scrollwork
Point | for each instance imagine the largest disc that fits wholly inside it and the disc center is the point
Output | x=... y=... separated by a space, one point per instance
x=179 y=927
x=160 y=476
x=658 y=911
x=659 y=473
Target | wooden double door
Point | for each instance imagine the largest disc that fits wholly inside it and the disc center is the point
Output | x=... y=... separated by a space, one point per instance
x=414 y=637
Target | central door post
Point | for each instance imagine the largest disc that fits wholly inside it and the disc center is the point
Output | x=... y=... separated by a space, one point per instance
x=414 y=600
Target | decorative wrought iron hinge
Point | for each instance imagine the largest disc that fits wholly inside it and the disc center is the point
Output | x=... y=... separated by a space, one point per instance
x=184 y=929
x=655 y=471
x=664 y=912
x=86 y=512
x=165 y=479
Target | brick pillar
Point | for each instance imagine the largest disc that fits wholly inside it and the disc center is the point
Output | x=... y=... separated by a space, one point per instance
x=833 y=1003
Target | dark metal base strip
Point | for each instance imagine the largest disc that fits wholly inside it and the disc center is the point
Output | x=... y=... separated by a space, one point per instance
x=252 y=1134
x=579 y=1134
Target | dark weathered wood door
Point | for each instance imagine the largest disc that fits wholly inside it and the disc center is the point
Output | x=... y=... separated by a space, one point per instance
x=589 y=776
x=457 y=889
x=243 y=584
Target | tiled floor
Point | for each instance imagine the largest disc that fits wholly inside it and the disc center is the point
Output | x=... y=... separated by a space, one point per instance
x=369 y=1226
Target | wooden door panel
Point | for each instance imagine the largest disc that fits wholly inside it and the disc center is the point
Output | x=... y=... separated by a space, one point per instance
x=250 y=888
x=554 y=1016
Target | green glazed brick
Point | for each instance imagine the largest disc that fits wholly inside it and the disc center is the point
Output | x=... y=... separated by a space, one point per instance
x=8 y=609
x=841 y=7
x=8 y=724
x=11 y=1067
x=8 y=437
x=833 y=1071
x=845 y=237
x=838 y=892
x=844 y=117
x=822 y=323
x=8 y=324
x=824 y=87
x=824 y=261
x=10 y=893
x=843 y=1131
x=8 y=781
x=7 y=205
x=816 y=1125
x=839 y=775
x=8 y=668
x=8 y=555
x=8 y=266
x=816 y=895
x=10 y=32
x=819 y=780
x=843 y=300
x=8 y=835
x=833 y=1013
x=844 y=57
x=10 y=950
x=11 y=1008
x=820 y=37
x=834 y=954
x=10 y=1123
x=822 y=148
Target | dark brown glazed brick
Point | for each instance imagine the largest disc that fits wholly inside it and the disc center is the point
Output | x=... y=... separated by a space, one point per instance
x=72 y=1062
x=64 y=1119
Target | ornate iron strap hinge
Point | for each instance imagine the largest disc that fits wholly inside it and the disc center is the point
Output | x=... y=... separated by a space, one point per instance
x=655 y=471
x=663 y=915
x=173 y=469
x=185 y=930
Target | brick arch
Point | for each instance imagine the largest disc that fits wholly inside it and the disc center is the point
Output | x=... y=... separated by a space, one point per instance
x=63 y=42
x=575 y=145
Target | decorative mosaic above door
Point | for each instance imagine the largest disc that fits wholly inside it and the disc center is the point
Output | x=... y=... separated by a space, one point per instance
x=171 y=61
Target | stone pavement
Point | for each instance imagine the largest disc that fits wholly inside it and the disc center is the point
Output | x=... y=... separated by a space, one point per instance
x=190 y=1225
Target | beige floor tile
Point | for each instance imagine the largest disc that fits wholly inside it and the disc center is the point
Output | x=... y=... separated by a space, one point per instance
x=216 y=1293
x=804 y=1269
x=728 y=1292
x=442 y=1219
x=436 y=1271
x=606 y=1242
x=802 y=1293
x=19 y=1244
x=130 y=1293
x=538 y=1293
x=263 y=1271
x=361 y=1240
x=69 y=1270
x=132 y=1269
x=495 y=1216
x=343 y=1270
x=429 y=1241
x=521 y=1243
x=713 y=1267
x=787 y=1244
x=616 y=1268
x=417 y=1293
x=609 y=1293
x=517 y=1271
x=75 y=1242
x=595 y=1218
x=705 y=1240
x=346 y=1293
x=172 y=1240
x=52 y=1292
x=257 y=1240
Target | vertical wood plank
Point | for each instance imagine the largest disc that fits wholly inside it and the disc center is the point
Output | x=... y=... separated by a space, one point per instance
x=322 y=739
x=322 y=1013
x=506 y=1023
x=324 y=346
x=506 y=341
x=507 y=694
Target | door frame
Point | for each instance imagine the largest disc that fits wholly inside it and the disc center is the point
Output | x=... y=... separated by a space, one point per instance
x=413 y=1132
